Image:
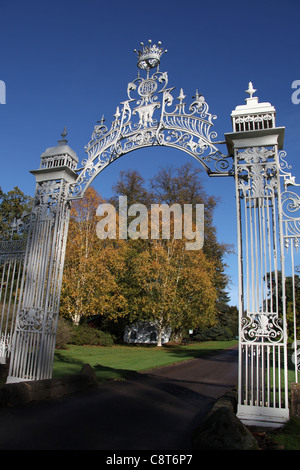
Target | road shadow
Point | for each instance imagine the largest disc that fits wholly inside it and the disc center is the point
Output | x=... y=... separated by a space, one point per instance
x=188 y=352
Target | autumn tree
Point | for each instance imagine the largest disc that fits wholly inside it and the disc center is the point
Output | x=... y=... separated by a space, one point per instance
x=172 y=287
x=145 y=279
x=184 y=185
x=164 y=282
x=92 y=266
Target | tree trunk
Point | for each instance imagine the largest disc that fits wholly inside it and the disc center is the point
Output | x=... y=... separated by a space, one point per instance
x=159 y=335
x=76 y=319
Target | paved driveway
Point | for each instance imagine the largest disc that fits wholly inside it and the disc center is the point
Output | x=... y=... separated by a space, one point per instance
x=156 y=410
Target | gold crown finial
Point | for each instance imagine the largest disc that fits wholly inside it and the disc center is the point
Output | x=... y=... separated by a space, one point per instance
x=149 y=56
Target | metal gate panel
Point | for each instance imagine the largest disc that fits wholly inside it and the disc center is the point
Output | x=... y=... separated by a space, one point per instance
x=290 y=209
x=263 y=352
x=35 y=330
x=12 y=253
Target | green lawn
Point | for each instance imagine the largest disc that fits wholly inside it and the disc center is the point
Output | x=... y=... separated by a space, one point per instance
x=114 y=362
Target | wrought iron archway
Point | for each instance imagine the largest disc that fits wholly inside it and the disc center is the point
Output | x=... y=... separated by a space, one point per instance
x=150 y=117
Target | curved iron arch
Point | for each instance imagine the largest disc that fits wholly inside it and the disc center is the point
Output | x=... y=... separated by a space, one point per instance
x=144 y=121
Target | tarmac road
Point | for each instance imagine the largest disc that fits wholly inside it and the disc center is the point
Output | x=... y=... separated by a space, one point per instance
x=157 y=410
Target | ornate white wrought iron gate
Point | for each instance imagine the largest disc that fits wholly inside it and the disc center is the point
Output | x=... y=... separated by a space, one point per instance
x=149 y=117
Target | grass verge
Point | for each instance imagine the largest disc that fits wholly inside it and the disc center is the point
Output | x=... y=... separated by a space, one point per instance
x=115 y=362
x=289 y=436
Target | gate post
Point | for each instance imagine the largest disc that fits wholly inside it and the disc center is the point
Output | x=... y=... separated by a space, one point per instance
x=35 y=331
x=263 y=380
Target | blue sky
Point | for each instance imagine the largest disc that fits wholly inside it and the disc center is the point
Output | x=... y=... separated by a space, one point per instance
x=65 y=63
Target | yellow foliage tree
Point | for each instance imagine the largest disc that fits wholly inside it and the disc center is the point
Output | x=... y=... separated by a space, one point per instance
x=92 y=267
x=172 y=287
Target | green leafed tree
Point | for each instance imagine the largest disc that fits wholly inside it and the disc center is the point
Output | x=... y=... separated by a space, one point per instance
x=13 y=205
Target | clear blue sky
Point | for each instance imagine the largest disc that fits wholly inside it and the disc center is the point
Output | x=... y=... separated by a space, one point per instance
x=65 y=63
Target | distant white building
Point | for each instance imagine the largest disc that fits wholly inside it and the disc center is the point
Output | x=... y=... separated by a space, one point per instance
x=145 y=333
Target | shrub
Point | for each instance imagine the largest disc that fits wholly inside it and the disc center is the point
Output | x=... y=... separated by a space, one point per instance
x=63 y=334
x=85 y=335
x=215 y=333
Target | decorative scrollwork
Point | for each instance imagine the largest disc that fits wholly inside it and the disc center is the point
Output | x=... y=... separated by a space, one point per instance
x=256 y=155
x=288 y=179
x=30 y=319
x=258 y=326
x=33 y=319
x=48 y=196
x=290 y=205
x=257 y=171
x=145 y=120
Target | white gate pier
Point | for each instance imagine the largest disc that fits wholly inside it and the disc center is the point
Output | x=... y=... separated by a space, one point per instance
x=255 y=144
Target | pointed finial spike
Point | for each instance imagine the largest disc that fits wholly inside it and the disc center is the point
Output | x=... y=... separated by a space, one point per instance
x=181 y=95
x=63 y=141
x=250 y=90
x=64 y=133
x=101 y=121
x=117 y=113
